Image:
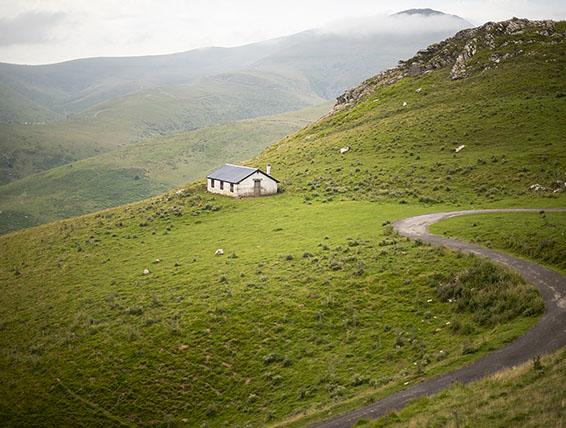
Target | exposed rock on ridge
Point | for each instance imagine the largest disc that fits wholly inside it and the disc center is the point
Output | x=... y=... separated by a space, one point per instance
x=455 y=52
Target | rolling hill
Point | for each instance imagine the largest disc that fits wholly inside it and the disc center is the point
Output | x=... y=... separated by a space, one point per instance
x=122 y=121
x=127 y=317
x=406 y=126
x=136 y=172
x=94 y=105
x=330 y=61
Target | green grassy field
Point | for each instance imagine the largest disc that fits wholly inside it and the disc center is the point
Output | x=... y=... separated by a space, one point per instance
x=540 y=237
x=304 y=309
x=315 y=306
x=531 y=395
x=142 y=170
x=510 y=119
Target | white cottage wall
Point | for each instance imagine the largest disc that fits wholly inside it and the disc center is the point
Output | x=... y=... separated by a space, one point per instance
x=246 y=186
x=226 y=191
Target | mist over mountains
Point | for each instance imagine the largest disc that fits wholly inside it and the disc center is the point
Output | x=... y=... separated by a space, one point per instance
x=60 y=114
x=331 y=59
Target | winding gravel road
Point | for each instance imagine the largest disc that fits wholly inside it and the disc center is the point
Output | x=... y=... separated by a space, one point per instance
x=548 y=335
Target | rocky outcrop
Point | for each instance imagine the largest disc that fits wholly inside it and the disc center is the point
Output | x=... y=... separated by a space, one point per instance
x=458 y=53
x=459 y=68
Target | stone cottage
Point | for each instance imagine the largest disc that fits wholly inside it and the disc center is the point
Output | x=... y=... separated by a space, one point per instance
x=241 y=181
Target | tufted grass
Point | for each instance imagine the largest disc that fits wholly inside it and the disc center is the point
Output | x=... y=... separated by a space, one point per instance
x=540 y=237
x=531 y=395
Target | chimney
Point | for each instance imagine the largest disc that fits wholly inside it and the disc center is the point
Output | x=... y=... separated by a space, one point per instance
x=268 y=169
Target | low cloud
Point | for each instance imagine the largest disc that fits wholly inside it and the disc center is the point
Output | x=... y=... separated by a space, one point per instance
x=29 y=28
x=397 y=25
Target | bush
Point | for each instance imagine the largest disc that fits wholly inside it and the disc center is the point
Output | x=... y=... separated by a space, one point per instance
x=335 y=265
x=469 y=348
x=273 y=358
x=537 y=365
x=359 y=379
x=491 y=294
x=134 y=310
x=461 y=327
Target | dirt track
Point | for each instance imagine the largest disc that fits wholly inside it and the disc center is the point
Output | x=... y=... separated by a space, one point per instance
x=548 y=335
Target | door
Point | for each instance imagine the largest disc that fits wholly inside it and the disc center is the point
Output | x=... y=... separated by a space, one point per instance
x=257 y=187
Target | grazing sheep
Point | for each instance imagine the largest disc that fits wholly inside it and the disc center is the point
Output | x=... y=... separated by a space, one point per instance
x=344 y=150
x=219 y=252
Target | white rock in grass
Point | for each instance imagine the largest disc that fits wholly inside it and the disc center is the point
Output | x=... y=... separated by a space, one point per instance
x=457 y=149
x=219 y=252
x=537 y=187
x=419 y=89
x=344 y=150
x=146 y=272
x=405 y=104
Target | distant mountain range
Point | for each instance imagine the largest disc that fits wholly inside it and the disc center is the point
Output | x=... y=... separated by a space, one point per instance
x=328 y=62
x=57 y=114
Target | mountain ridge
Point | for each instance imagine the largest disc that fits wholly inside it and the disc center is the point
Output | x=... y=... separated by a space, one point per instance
x=124 y=75
x=457 y=50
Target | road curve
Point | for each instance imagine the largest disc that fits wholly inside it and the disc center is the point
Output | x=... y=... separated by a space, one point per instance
x=546 y=336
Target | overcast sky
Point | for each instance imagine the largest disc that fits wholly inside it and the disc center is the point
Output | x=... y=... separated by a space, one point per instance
x=45 y=31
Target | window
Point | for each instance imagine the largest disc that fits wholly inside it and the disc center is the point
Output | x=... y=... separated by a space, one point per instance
x=232 y=187
x=221 y=185
x=212 y=182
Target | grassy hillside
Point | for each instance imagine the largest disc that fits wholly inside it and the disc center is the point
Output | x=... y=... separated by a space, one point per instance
x=128 y=317
x=305 y=309
x=509 y=115
x=540 y=237
x=139 y=171
x=17 y=108
x=528 y=396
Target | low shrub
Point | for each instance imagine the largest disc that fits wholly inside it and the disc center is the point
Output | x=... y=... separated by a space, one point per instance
x=491 y=294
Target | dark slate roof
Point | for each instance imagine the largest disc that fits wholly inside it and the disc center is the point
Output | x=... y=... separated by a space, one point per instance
x=231 y=173
x=234 y=173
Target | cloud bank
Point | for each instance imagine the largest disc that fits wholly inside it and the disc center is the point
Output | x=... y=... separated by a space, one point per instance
x=44 y=31
x=399 y=24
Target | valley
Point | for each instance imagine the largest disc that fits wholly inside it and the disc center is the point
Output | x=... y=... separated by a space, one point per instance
x=138 y=171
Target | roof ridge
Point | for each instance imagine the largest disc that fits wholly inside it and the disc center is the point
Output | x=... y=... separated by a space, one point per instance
x=240 y=166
